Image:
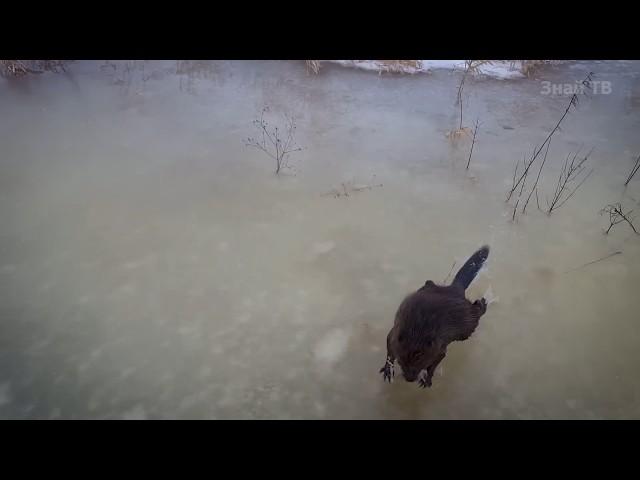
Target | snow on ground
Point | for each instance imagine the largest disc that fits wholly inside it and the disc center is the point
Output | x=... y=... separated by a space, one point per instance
x=497 y=69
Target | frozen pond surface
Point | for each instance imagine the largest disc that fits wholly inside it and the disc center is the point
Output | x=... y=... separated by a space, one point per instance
x=153 y=266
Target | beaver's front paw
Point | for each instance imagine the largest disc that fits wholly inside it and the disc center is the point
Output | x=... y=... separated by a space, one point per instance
x=387 y=371
x=424 y=379
x=482 y=305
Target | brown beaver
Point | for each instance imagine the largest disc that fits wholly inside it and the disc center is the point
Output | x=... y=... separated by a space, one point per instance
x=431 y=318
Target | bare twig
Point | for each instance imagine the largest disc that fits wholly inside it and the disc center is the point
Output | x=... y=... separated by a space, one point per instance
x=535 y=185
x=271 y=141
x=460 y=88
x=538 y=201
x=633 y=171
x=515 y=208
x=617 y=215
x=524 y=181
x=572 y=103
x=449 y=274
x=475 y=130
x=351 y=187
x=522 y=185
x=515 y=173
x=594 y=261
x=470 y=66
x=570 y=172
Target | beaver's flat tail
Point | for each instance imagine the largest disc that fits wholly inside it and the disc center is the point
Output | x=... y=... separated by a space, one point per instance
x=470 y=269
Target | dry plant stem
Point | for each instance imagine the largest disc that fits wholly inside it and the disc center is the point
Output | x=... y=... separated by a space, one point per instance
x=472 y=143
x=538 y=150
x=569 y=173
x=276 y=148
x=572 y=102
x=538 y=201
x=524 y=181
x=633 y=171
x=523 y=177
x=349 y=187
x=461 y=86
x=616 y=216
x=449 y=274
x=515 y=173
x=594 y=261
x=535 y=185
x=468 y=64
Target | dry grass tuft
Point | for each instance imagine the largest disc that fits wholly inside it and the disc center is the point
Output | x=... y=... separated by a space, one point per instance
x=313 y=65
x=528 y=67
x=18 y=68
x=399 y=66
x=459 y=134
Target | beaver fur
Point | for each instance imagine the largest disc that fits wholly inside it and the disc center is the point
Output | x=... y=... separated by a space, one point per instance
x=429 y=319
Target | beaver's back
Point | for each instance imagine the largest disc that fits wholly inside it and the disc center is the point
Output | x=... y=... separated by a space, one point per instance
x=433 y=313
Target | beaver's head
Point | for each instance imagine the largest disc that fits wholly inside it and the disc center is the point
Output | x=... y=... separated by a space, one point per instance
x=415 y=355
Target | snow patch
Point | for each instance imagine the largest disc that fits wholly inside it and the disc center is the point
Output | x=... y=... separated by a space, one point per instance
x=499 y=69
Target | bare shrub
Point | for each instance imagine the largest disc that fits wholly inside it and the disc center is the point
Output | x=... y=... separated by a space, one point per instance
x=277 y=142
x=617 y=215
x=570 y=173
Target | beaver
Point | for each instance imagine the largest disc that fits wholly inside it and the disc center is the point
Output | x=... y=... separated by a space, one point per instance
x=431 y=318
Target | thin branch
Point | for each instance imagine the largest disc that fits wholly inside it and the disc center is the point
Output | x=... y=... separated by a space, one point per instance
x=260 y=147
x=594 y=261
x=472 y=143
x=524 y=181
x=449 y=274
x=278 y=150
x=537 y=200
x=617 y=215
x=572 y=103
x=515 y=172
x=469 y=66
x=574 y=190
x=535 y=185
x=570 y=172
x=633 y=171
